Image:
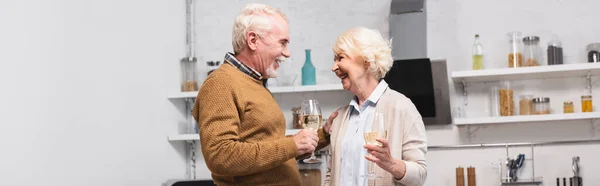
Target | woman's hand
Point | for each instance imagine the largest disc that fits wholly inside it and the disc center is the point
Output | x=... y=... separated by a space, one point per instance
x=382 y=157
x=327 y=126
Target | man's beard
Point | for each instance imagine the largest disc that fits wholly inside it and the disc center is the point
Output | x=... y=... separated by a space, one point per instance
x=271 y=71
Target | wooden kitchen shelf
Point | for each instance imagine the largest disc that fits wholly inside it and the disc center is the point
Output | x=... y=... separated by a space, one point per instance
x=526 y=119
x=524 y=73
x=274 y=90
x=196 y=137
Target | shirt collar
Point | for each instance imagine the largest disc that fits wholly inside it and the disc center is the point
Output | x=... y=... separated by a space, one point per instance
x=374 y=97
x=230 y=58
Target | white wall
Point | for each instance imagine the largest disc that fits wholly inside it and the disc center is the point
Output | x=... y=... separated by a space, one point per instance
x=84 y=86
x=451 y=27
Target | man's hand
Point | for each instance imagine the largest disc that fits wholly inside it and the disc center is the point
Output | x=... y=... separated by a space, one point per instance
x=306 y=141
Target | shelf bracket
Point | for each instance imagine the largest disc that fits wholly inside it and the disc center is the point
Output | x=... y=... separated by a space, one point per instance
x=472 y=131
x=465 y=92
x=191 y=158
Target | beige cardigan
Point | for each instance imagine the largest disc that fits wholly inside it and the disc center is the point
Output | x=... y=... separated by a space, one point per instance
x=406 y=135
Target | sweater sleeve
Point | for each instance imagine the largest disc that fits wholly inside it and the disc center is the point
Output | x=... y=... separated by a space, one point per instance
x=217 y=110
x=414 y=148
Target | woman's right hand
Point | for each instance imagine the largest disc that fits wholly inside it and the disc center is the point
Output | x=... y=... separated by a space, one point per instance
x=327 y=126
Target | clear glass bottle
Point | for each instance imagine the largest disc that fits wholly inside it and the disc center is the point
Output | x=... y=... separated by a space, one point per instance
x=494 y=101
x=532 y=51
x=515 y=52
x=555 y=51
x=189 y=75
x=477 y=54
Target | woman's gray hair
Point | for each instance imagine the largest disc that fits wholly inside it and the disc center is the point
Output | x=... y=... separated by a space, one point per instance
x=370 y=46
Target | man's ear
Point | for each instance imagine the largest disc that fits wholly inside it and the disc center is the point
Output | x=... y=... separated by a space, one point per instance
x=252 y=40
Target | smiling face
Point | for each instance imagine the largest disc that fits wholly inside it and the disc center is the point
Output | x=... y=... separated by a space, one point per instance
x=271 y=47
x=350 y=69
x=361 y=57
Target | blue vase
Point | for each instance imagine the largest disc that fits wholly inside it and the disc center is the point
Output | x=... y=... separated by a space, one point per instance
x=309 y=76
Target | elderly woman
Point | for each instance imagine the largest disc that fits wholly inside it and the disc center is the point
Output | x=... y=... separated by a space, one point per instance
x=362 y=58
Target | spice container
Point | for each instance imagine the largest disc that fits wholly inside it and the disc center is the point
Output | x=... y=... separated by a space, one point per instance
x=568 y=107
x=586 y=103
x=555 y=52
x=532 y=51
x=593 y=52
x=507 y=105
x=515 y=54
x=542 y=105
x=526 y=105
x=189 y=75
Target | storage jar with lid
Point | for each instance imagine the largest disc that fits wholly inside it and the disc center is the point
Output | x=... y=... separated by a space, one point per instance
x=568 y=107
x=586 y=103
x=526 y=104
x=593 y=52
x=532 y=51
x=515 y=52
x=555 y=51
x=542 y=105
x=189 y=76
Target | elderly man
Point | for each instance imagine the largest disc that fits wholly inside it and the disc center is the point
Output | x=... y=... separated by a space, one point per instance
x=242 y=129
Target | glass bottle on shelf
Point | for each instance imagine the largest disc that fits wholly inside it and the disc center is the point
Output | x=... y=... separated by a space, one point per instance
x=515 y=55
x=309 y=76
x=494 y=101
x=477 y=54
x=189 y=75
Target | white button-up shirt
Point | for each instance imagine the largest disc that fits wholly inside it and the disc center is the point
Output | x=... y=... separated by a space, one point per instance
x=353 y=164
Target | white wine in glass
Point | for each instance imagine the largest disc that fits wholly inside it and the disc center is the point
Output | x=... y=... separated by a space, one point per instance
x=377 y=130
x=311 y=119
x=312 y=122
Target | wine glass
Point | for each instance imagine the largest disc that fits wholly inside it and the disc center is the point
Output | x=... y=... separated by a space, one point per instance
x=311 y=119
x=377 y=130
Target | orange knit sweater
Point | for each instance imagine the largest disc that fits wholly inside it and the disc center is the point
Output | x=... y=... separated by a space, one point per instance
x=242 y=131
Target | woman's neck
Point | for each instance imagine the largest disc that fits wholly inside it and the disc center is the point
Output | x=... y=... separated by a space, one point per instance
x=364 y=89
